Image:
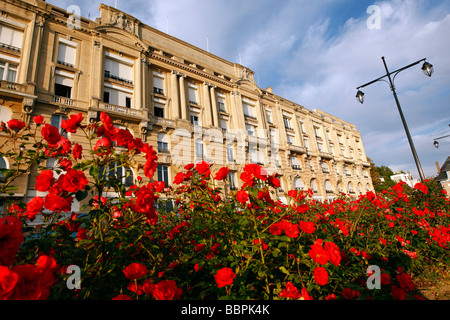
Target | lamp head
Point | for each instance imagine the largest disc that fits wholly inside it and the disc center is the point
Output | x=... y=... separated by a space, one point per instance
x=428 y=69
x=360 y=96
x=436 y=144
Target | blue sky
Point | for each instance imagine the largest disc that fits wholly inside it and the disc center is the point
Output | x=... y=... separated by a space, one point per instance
x=316 y=53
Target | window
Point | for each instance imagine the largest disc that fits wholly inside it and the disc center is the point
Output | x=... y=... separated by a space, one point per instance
x=298 y=184
x=314 y=186
x=230 y=153
x=328 y=187
x=195 y=119
x=221 y=102
x=118 y=68
x=232 y=179
x=317 y=132
x=11 y=38
x=274 y=136
x=311 y=166
x=324 y=166
x=347 y=172
x=199 y=148
x=295 y=162
x=332 y=149
x=302 y=126
x=253 y=154
x=159 y=110
x=277 y=160
x=269 y=116
x=118 y=96
x=158 y=83
x=56 y=122
x=163 y=143
x=249 y=109
x=320 y=146
x=63 y=84
x=193 y=95
x=117 y=172
x=350 y=188
x=224 y=124
x=3 y=167
x=163 y=175
x=290 y=139
x=305 y=141
x=287 y=123
x=8 y=71
x=251 y=130
x=66 y=52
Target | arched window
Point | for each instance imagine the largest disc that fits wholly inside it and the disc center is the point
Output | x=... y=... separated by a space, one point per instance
x=360 y=189
x=350 y=188
x=328 y=187
x=298 y=184
x=314 y=186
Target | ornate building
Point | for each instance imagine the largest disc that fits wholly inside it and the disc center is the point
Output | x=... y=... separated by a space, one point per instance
x=187 y=103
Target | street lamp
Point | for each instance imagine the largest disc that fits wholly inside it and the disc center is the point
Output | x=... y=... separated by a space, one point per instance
x=428 y=70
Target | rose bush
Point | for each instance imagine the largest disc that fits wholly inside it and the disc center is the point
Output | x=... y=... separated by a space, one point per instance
x=192 y=241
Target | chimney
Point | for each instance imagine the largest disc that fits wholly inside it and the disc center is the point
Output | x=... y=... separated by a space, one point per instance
x=438 y=168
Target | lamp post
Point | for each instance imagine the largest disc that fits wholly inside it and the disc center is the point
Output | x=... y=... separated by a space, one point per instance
x=436 y=143
x=428 y=70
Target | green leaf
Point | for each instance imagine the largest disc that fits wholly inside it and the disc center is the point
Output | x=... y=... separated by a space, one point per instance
x=284 y=270
x=94 y=172
x=81 y=195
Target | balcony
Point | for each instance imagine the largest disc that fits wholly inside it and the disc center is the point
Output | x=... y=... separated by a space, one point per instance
x=296 y=167
x=120 y=110
x=297 y=149
x=162 y=122
x=63 y=100
x=10 y=48
x=326 y=155
x=65 y=64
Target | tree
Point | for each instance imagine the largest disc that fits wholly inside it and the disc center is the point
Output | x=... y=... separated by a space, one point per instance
x=381 y=176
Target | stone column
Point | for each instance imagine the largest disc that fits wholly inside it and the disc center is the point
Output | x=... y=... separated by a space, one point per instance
x=214 y=106
x=207 y=106
x=183 y=101
x=175 y=114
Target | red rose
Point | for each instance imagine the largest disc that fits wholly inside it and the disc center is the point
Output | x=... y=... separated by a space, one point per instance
x=321 y=276
x=71 y=124
x=8 y=280
x=34 y=207
x=293 y=193
x=76 y=152
x=135 y=271
x=179 y=178
x=34 y=283
x=123 y=137
x=307 y=227
x=46 y=262
x=334 y=253
x=51 y=134
x=16 y=125
x=398 y=293
x=224 y=277
x=203 y=168
x=242 y=196
x=222 y=173
x=290 y=292
x=274 y=181
x=406 y=282
x=189 y=167
x=145 y=199
x=38 y=119
x=54 y=202
x=385 y=279
x=102 y=143
x=349 y=293
x=44 y=180
x=11 y=237
x=74 y=181
x=167 y=290
x=420 y=186
x=290 y=229
x=318 y=253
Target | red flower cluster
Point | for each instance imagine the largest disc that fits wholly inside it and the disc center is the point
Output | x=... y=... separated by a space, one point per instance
x=224 y=277
x=292 y=292
x=321 y=255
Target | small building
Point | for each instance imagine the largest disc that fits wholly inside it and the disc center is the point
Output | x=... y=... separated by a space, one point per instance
x=444 y=175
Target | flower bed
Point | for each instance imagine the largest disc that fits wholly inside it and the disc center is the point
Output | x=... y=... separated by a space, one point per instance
x=191 y=242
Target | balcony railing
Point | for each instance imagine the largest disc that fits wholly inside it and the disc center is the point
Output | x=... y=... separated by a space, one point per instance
x=10 y=47
x=65 y=63
x=63 y=100
x=117 y=78
x=121 y=109
x=158 y=91
x=296 y=167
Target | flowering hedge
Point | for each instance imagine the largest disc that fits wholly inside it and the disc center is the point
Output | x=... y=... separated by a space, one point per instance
x=190 y=241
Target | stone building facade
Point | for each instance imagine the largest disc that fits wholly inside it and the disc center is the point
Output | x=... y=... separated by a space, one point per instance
x=187 y=103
